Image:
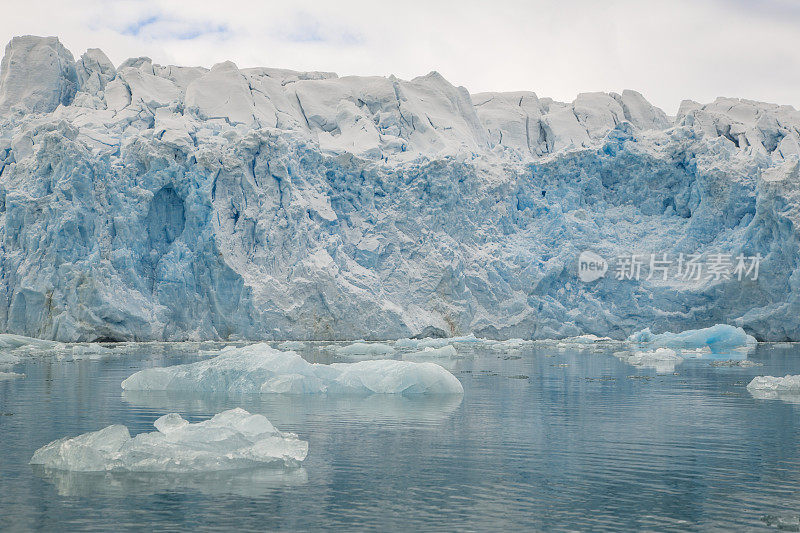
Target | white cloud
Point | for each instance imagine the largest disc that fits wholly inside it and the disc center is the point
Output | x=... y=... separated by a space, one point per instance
x=669 y=50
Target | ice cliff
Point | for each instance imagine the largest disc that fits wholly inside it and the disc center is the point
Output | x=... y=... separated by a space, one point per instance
x=163 y=202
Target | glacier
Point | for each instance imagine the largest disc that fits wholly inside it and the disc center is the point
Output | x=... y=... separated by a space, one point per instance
x=231 y=440
x=159 y=202
x=261 y=369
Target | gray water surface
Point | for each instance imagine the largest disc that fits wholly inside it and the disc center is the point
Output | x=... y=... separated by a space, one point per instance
x=542 y=439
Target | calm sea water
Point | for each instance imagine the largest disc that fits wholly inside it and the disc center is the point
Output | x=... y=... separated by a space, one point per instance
x=541 y=440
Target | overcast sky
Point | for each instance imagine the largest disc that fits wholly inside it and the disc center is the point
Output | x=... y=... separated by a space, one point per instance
x=697 y=49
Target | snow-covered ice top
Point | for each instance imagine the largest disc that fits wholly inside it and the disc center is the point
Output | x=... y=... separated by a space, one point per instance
x=231 y=440
x=161 y=202
x=261 y=369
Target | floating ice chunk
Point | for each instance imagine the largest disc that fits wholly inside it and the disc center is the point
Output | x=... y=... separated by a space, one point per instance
x=446 y=356
x=743 y=363
x=5 y=376
x=365 y=348
x=231 y=440
x=445 y=352
x=436 y=342
x=787 y=383
x=292 y=345
x=90 y=351
x=718 y=338
x=586 y=339
x=662 y=360
x=258 y=368
x=785 y=388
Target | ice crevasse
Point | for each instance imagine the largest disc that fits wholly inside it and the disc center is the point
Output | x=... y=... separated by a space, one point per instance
x=162 y=202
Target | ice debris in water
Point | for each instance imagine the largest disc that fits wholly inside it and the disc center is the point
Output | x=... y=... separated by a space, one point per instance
x=445 y=352
x=5 y=376
x=417 y=344
x=718 y=338
x=663 y=360
x=743 y=363
x=364 y=349
x=292 y=345
x=258 y=368
x=231 y=440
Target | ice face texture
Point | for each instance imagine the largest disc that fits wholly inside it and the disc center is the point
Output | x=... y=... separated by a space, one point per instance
x=180 y=203
x=260 y=369
x=231 y=440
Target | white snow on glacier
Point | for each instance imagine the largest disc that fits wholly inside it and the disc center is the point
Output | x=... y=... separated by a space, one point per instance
x=231 y=440
x=260 y=369
x=151 y=202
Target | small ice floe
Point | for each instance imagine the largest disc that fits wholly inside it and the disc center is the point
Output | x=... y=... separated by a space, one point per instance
x=6 y=376
x=510 y=345
x=92 y=352
x=292 y=345
x=785 y=388
x=445 y=356
x=717 y=339
x=258 y=368
x=787 y=383
x=580 y=343
x=364 y=349
x=231 y=440
x=662 y=360
x=418 y=344
x=445 y=352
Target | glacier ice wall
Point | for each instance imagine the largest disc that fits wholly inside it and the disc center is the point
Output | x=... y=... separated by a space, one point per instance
x=167 y=203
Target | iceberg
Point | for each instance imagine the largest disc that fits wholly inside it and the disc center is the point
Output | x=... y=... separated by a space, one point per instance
x=260 y=369
x=228 y=203
x=5 y=376
x=231 y=440
x=718 y=338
